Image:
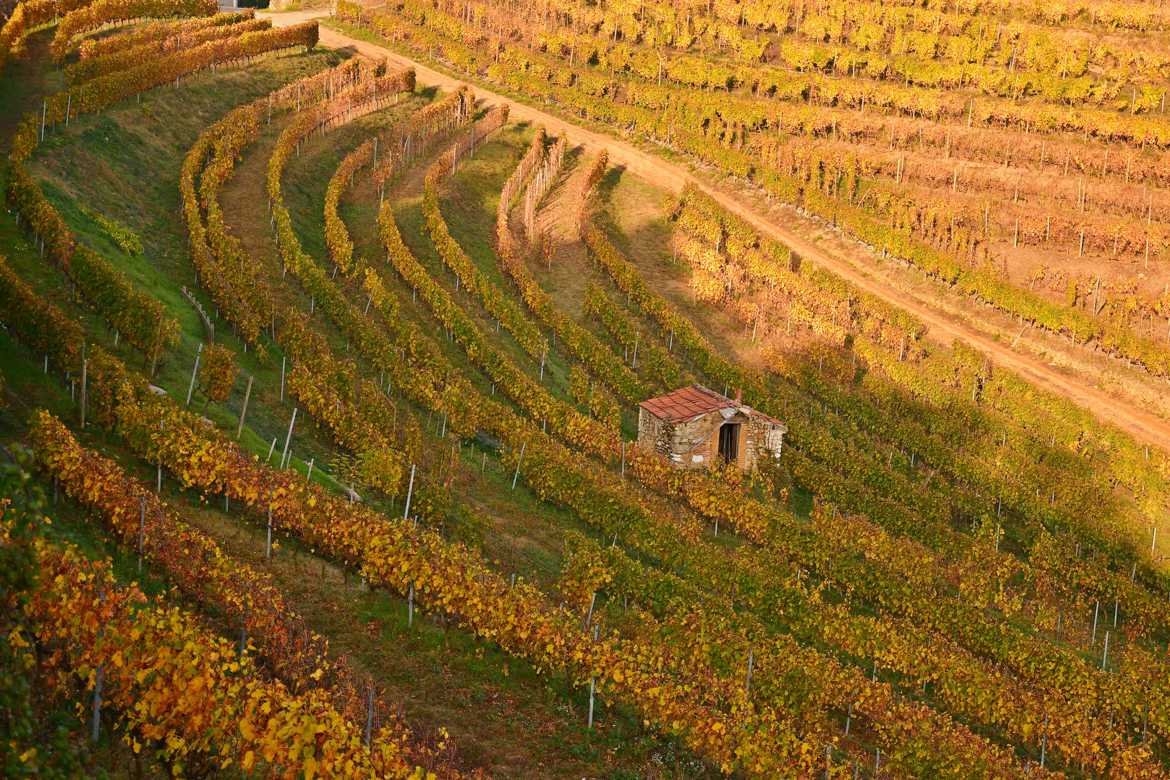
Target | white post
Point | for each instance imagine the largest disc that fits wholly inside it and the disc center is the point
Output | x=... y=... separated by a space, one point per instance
x=519 y=460
x=410 y=606
x=84 y=387
x=141 y=529
x=282 y=362
x=194 y=372
x=288 y=436
x=268 y=542
x=244 y=410
x=409 y=493
x=592 y=690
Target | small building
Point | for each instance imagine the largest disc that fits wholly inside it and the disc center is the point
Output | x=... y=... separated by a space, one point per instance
x=696 y=427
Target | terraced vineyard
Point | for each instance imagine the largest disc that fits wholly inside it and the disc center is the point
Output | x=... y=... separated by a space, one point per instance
x=320 y=396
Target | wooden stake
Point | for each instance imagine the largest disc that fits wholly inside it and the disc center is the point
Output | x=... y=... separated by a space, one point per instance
x=95 y=729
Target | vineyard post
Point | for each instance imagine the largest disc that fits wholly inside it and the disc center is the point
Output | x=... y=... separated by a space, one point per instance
x=410 y=492
x=84 y=384
x=592 y=690
x=68 y=107
x=519 y=460
x=271 y=449
x=194 y=372
x=158 y=478
x=1153 y=539
x=848 y=718
x=410 y=606
x=282 y=364
x=309 y=473
x=1096 y=609
x=95 y=731
x=141 y=529
x=44 y=111
x=589 y=614
x=751 y=664
x=369 y=714
x=288 y=436
x=1044 y=742
x=1116 y=604
x=623 y=458
x=592 y=686
x=268 y=539
x=244 y=409
x=1105 y=653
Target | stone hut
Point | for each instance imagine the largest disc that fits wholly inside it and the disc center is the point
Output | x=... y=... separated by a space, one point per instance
x=696 y=427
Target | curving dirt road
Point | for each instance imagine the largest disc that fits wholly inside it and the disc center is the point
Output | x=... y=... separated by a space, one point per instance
x=1139 y=423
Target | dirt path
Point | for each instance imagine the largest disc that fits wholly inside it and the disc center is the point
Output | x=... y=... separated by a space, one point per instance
x=1135 y=421
x=557 y=222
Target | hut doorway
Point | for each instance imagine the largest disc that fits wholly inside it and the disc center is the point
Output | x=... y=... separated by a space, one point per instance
x=729 y=442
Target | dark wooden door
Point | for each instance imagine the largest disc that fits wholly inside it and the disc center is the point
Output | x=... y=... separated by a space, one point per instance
x=729 y=442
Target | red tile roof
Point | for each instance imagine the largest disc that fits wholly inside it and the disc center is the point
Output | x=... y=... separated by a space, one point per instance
x=685 y=403
x=689 y=402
